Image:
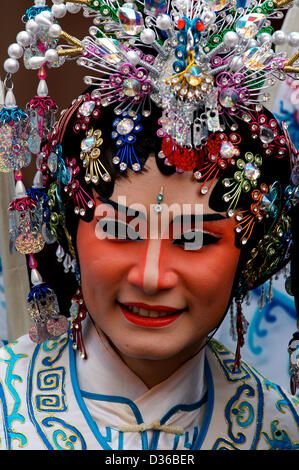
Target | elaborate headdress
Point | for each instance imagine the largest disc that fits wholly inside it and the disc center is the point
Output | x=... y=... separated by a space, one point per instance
x=208 y=66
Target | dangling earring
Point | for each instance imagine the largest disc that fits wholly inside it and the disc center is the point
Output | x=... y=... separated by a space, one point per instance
x=241 y=326
x=78 y=314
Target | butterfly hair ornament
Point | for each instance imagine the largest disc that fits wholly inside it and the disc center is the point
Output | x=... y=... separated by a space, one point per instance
x=208 y=66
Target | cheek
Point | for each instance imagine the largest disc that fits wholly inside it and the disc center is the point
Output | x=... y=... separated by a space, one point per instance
x=104 y=264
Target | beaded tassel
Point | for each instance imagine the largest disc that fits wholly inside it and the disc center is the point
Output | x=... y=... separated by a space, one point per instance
x=242 y=326
x=78 y=314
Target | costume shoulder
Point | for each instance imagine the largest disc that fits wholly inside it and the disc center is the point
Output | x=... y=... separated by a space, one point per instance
x=32 y=377
x=250 y=411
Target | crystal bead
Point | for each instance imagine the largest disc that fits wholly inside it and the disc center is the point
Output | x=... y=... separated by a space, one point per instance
x=249 y=25
x=123 y=166
x=256 y=57
x=125 y=126
x=266 y=135
x=131 y=87
x=108 y=50
x=194 y=76
x=251 y=171
x=136 y=167
x=227 y=149
x=88 y=144
x=87 y=108
x=52 y=162
x=131 y=20
x=155 y=7
x=106 y=177
x=228 y=98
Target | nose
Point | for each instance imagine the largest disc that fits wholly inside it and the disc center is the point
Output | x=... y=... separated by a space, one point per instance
x=152 y=272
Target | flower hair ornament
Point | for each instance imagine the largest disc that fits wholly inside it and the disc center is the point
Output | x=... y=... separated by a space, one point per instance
x=208 y=66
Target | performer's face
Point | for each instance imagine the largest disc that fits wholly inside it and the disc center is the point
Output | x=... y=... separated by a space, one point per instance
x=157 y=272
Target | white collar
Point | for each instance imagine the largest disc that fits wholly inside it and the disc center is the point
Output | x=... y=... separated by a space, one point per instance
x=105 y=373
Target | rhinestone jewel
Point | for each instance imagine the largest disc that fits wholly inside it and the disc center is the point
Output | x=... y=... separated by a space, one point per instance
x=228 y=98
x=256 y=57
x=131 y=87
x=265 y=203
x=251 y=171
x=107 y=49
x=227 y=149
x=88 y=143
x=266 y=135
x=217 y=5
x=194 y=76
x=52 y=162
x=249 y=25
x=155 y=7
x=125 y=126
x=131 y=20
x=87 y=108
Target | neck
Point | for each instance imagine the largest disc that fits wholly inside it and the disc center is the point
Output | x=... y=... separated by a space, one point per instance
x=153 y=372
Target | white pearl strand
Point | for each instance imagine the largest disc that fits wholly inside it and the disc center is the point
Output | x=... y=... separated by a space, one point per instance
x=26 y=38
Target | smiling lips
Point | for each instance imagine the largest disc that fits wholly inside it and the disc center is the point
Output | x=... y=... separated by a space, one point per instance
x=151 y=316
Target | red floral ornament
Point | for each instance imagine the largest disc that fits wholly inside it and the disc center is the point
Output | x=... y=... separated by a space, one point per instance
x=221 y=151
x=183 y=158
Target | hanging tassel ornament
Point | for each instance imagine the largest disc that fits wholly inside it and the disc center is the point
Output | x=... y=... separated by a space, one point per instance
x=43 y=309
x=15 y=129
x=41 y=110
x=242 y=327
x=25 y=221
x=78 y=314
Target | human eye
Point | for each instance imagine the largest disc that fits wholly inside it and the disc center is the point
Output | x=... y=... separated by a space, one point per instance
x=114 y=229
x=195 y=240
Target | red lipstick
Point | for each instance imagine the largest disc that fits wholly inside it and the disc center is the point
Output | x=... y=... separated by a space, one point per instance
x=150 y=322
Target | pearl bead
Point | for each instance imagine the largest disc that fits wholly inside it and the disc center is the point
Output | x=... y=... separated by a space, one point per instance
x=11 y=65
x=40 y=3
x=43 y=20
x=133 y=57
x=208 y=17
x=147 y=36
x=293 y=39
x=55 y=30
x=32 y=27
x=10 y=100
x=231 y=39
x=24 y=39
x=20 y=190
x=163 y=22
x=251 y=43
x=279 y=37
x=36 y=278
x=51 y=55
x=263 y=37
x=71 y=8
x=236 y=63
x=59 y=10
x=15 y=51
x=36 y=62
x=57 y=1
x=42 y=89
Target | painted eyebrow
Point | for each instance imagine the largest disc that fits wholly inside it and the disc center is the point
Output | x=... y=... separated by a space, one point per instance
x=177 y=219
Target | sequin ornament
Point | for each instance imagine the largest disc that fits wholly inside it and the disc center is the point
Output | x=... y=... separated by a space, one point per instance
x=15 y=129
x=43 y=308
x=25 y=222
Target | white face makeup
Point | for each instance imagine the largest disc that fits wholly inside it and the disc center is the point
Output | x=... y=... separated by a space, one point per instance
x=153 y=299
